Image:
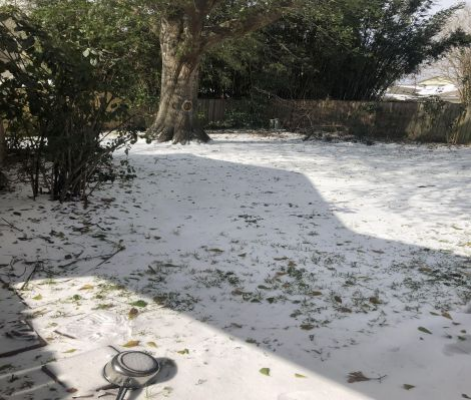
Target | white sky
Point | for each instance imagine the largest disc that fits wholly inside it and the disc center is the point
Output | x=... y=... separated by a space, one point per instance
x=430 y=71
x=447 y=3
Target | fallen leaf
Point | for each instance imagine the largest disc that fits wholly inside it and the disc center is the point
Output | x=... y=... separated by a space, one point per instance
x=216 y=250
x=316 y=293
x=424 y=330
x=407 y=386
x=357 y=377
x=38 y=297
x=87 y=287
x=375 y=300
x=70 y=351
x=152 y=344
x=307 y=327
x=103 y=306
x=184 y=351
x=139 y=303
x=446 y=315
x=265 y=371
x=133 y=313
x=300 y=376
x=338 y=299
x=71 y=390
x=132 y=343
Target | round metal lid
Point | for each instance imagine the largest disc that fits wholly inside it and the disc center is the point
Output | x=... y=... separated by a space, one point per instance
x=136 y=363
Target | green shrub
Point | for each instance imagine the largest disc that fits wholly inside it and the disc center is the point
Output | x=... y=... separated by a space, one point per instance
x=57 y=102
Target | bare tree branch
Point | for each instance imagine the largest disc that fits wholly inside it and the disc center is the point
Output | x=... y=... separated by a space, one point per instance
x=456 y=65
x=238 y=27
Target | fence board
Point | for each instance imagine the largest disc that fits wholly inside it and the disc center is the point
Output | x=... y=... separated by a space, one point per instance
x=418 y=121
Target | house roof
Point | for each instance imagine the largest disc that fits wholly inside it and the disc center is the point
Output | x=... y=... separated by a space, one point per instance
x=435 y=80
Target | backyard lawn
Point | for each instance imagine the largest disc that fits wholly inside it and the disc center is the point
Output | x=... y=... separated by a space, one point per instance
x=259 y=266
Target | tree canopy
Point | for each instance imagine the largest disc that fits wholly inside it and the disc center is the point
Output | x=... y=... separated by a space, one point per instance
x=167 y=53
x=343 y=49
x=350 y=50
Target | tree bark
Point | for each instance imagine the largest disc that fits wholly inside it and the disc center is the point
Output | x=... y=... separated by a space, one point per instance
x=177 y=118
x=184 y=39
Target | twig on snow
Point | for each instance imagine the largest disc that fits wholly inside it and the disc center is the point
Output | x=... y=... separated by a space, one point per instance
x=12 y=226
x=109 y=257
x=36 y=266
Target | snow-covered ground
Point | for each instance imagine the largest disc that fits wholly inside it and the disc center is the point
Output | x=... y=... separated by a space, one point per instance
x=264 y=267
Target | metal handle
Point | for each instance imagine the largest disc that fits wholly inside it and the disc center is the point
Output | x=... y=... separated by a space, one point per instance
x=121 y=393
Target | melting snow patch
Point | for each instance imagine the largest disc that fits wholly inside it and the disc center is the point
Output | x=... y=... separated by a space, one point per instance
x=101 y=327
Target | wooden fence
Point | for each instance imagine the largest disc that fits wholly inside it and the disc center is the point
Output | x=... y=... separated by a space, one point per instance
x=214 y=110
x=430 y=121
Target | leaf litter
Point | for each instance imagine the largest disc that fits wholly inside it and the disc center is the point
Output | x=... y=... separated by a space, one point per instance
x=296 y=261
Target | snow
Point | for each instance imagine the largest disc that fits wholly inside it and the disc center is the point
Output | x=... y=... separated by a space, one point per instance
x=436 y=90
x=258 y=253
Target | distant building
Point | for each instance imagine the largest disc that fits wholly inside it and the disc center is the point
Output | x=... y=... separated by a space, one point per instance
x=434 y=86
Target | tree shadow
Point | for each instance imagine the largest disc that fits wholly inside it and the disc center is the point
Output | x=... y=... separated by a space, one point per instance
x=250 y=252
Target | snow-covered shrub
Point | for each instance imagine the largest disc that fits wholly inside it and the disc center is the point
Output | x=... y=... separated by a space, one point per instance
x=57 y=100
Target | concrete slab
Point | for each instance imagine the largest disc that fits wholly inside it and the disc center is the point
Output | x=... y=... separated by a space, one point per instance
x=100 y=327
x=11 y=305
x=83 y=374
x=17 y=336
x=26 y=384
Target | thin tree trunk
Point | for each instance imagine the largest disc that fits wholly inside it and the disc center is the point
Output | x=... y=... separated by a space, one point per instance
x=3 y=154
x=177 y=119
x=3 y=146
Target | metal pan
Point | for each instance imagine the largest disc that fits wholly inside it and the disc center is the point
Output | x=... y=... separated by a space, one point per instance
x=130 y=370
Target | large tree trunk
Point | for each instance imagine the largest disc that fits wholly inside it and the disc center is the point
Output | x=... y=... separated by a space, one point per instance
x=184 y=37
x=181 y=53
